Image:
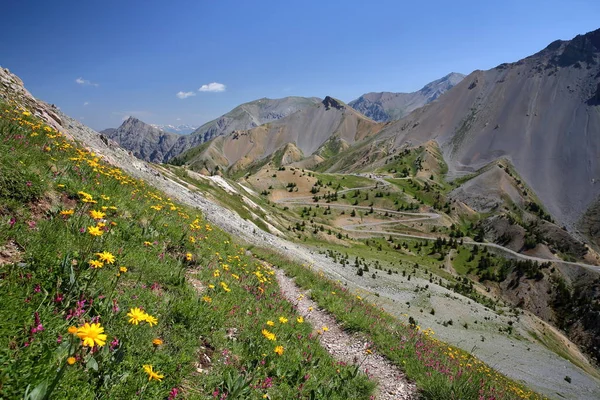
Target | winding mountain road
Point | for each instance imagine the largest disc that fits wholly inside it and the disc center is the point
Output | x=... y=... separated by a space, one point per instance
x=417 y=217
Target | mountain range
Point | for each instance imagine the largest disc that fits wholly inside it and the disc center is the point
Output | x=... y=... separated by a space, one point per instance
x=388 y=106
x=182 y=129
x=152 y=144
x=541 y=113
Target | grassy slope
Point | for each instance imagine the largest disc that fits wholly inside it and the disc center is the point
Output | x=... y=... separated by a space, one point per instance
x=440 y=371
x=48 y=285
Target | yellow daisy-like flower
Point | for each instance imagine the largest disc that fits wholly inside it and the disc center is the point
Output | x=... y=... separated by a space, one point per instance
x=157 y=342
x=300 y=320
x=206 y=299
x=188 y=256
x=95 y=231
x=216 y=273
x=72 y=330
x=211 y=286
x=92 y=335
x=225 y=287
x=151 y=320
x=283 y=320
x=95 y=264
x=106 y=257
x=325 y=329
x=310 y=308
x=136 y=315
x=71 y=360
x=146 y=243
x=270 y=323
x=97 y=214
x=279 y=350
x=269 y=335
x=123 y=269
x=66 y=213
x=152 y=374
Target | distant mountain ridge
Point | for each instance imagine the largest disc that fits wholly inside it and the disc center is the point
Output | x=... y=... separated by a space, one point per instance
x=182 y=129
x=388 y=106
x=327 y=127
x=152 y=144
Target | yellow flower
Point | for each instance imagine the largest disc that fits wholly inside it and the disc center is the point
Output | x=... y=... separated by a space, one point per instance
x=157 y=342
x=283 y=320
x=225 y=287
x=269 y=335
x=96 y=264
x=300 y=320
x=95 y=231
x=106 y=257
x=72 y=330
x=92 y=335
x=206 y=299
x=279 y=350
x=71 y=360
x=123 y=269
x=188 y=256
x=310 y=308
x=151 y=320
x=136 y=315
x=97 y=214
x=216 y=273
x=147 y=243
x=152 y=374
x=325 y=329
x=66 y=213
x=211 y=286
x=270 y=323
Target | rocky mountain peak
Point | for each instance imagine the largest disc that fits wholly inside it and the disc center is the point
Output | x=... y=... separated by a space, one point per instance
x=330 y=102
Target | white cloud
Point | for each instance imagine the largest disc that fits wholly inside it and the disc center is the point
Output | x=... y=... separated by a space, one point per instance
x=86 y=103
x=212 y=87
x=125 y=117
x=185 y=95
x=85 y=82
x=178 y=119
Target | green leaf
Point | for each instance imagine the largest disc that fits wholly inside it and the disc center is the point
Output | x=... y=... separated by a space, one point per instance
x=92 y=364
x=38 y=393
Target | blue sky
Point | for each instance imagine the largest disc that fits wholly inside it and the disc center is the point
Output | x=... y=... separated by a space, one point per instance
x=103 y=60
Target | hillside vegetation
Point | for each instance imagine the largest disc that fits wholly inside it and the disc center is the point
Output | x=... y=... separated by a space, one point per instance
x=112 y=290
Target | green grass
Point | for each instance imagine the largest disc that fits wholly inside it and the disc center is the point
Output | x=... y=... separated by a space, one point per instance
x=48 y=285
x=439 y=370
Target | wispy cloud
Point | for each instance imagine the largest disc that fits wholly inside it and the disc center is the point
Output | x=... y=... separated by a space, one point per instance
x=85 y=82
x=85 y=103
x=185 y=95
x=212 y=87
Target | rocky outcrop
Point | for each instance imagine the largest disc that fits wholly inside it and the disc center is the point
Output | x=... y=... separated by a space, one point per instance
x=13 y=91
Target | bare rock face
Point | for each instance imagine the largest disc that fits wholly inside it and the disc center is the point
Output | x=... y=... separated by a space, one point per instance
x=535 y=112
x=143 y=140
x=12 y=90
x=387 y=106
x=299 y=135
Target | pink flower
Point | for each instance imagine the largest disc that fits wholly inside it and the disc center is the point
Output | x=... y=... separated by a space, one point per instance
x=173 y=393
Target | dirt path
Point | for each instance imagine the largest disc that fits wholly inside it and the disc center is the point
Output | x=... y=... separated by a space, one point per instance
x=348 y=348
